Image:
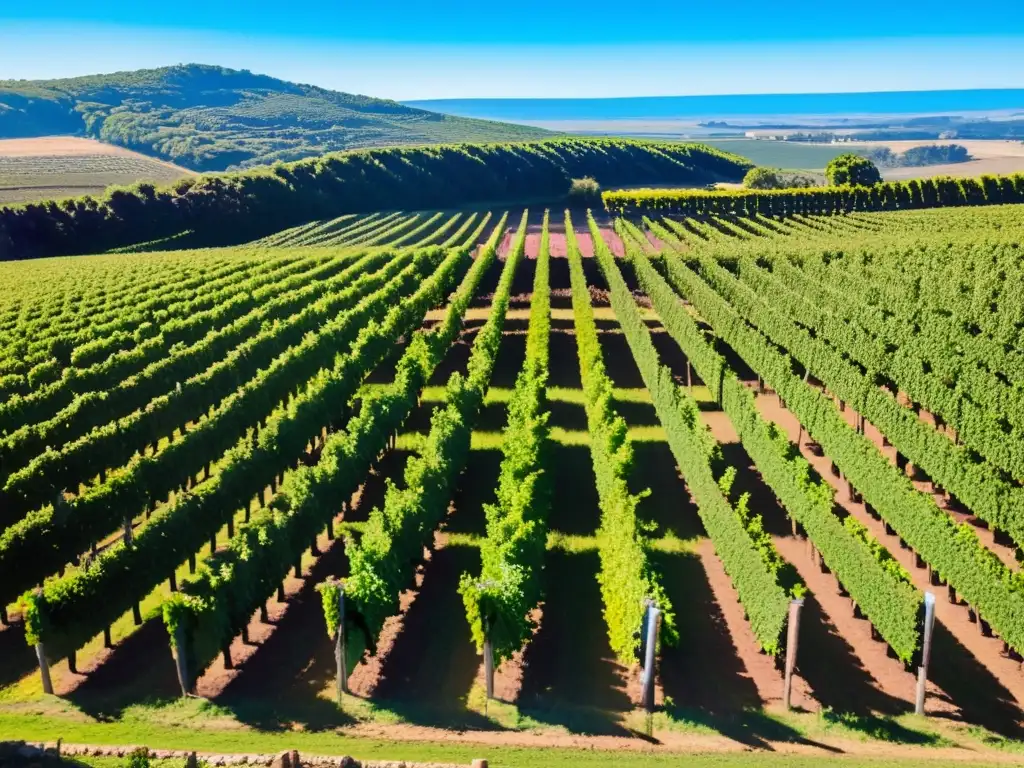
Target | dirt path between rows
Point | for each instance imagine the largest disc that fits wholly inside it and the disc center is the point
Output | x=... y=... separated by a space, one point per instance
x=718 y=669
x=983 y=684
x=845 y=667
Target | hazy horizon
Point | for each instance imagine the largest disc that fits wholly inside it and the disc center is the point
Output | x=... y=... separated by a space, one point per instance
x=1006 y=97
x=850 y=105
x=407 y=52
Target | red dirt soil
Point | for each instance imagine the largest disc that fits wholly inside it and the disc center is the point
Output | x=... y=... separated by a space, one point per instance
x=613 y=241
x=558 y=246
x=584 y=241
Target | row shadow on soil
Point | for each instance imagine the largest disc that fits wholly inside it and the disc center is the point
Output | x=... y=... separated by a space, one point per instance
x=570 y=678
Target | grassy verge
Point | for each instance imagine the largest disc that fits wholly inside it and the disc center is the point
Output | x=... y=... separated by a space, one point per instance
x=540 y=759
x=331 y=743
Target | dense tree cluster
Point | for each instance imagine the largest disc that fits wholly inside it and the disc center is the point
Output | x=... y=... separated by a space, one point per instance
x=775 y=178
x=937 y=192
x=931 y=154
x=854 y=170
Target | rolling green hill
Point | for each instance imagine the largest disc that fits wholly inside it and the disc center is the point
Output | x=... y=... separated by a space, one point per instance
x=210 y=118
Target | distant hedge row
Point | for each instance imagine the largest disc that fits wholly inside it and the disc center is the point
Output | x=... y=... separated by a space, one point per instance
x=237 y=207
x=887 y=196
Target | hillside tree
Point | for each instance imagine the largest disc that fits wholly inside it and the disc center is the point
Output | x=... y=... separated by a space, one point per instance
x=852 y=170
x=764 y=178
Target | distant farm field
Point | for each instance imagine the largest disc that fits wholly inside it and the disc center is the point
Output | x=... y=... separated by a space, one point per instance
x=780 y=154
x=990 y=157
x=995 y=157
x=55 y=167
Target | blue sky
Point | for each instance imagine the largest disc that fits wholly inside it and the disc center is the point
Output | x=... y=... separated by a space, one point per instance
x=534 y=48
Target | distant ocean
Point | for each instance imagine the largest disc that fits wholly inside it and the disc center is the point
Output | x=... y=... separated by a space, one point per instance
x=690 y=107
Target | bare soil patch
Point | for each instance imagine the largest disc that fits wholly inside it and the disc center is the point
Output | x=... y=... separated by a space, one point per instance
x=999 y=166
x=65 y=146
x=64 y=166
x=980 y=148
x=613 y=241
x=990 y=157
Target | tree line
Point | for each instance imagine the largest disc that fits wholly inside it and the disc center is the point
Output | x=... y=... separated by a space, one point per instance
x=886 y=196
x=232 y=208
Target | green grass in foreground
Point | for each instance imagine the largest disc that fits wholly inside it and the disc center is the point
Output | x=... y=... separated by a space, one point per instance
x=187 y=737
x=538 y=758
x=679 y=737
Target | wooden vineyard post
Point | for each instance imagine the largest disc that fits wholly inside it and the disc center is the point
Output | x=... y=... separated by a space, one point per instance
x=488 y=660
x=340 y=659
x=180 y=659
x=792 y=639
x=44 y=669
x=649 y=630
x=926 y=651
